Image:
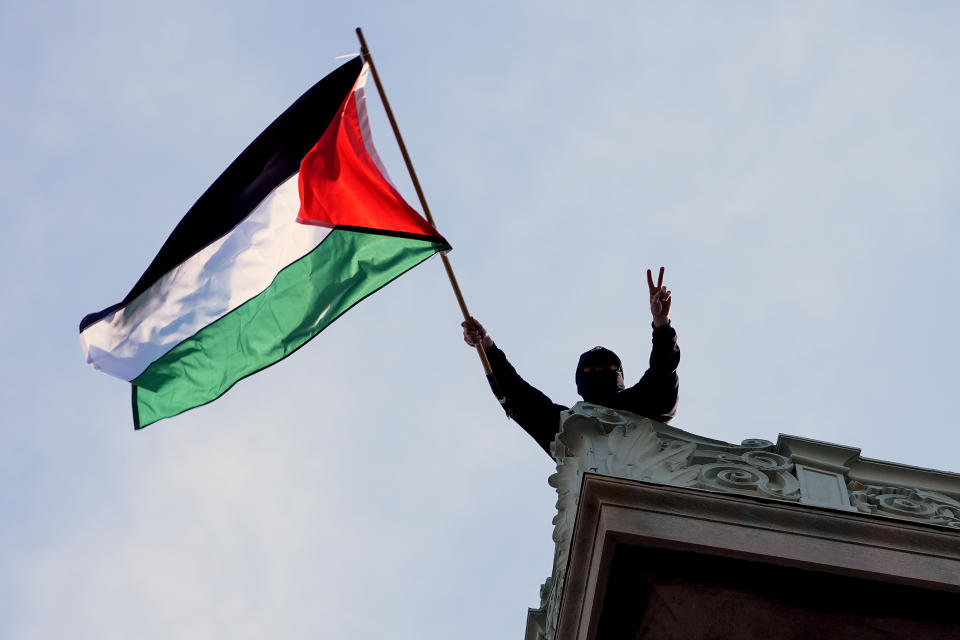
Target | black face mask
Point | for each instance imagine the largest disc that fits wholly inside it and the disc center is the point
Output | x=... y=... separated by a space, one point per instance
x=600 y=387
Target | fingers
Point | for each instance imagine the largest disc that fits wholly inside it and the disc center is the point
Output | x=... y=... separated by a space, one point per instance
x=473 y=331
x=665 y=298
x=472 y=338
x=469 y=331
x=660 y=300
x=659 y=285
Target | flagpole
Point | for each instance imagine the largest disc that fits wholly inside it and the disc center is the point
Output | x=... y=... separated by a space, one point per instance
x=365 y=54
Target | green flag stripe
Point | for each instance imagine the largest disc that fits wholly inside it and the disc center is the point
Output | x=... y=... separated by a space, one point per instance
x=302 y=301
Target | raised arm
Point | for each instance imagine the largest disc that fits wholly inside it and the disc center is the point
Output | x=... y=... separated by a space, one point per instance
x=655 y=395
x=526 y=405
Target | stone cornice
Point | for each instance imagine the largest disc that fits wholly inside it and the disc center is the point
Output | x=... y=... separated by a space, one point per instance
x=615 y=512
x=596 y=440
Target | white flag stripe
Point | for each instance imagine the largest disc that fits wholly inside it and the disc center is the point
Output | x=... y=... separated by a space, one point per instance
x=206 y=287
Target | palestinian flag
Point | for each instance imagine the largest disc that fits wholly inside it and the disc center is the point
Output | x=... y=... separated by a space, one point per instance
x=298 y=229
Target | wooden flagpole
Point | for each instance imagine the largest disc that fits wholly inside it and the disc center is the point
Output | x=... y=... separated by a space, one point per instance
x=365 y=54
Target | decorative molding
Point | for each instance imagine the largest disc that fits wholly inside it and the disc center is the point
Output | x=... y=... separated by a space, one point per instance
x=906 y=504
x=596 y=439
x=618 y=514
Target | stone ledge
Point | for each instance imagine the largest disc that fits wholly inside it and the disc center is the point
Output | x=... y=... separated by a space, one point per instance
x=818 y=475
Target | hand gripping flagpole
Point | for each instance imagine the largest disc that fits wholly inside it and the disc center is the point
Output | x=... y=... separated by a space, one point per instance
x=365 y=54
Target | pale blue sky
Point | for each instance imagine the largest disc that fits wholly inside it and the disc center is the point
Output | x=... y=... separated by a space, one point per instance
x=794 y=166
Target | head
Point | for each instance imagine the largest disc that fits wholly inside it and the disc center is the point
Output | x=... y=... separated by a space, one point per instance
x=599 y=376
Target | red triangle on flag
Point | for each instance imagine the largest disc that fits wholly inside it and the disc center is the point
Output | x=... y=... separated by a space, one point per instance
x=342 y=182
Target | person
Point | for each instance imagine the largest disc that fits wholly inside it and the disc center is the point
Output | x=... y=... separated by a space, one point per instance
x=599 y=376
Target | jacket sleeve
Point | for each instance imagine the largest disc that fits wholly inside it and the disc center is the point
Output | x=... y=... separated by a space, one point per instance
x=526 y=405
x=656 y=395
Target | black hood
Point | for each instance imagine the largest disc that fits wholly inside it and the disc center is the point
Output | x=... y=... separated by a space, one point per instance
x=599 y=387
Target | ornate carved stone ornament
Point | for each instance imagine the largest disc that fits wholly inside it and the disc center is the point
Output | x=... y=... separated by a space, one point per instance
x=904 y=502
x=596 y=439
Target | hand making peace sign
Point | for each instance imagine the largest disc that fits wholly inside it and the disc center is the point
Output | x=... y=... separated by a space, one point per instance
x=659 y=300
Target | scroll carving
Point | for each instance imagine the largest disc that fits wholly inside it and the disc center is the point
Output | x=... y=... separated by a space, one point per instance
x=595 y=439
x=906 y=502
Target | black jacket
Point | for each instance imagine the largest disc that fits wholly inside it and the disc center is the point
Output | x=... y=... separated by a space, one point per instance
x=654 y=396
